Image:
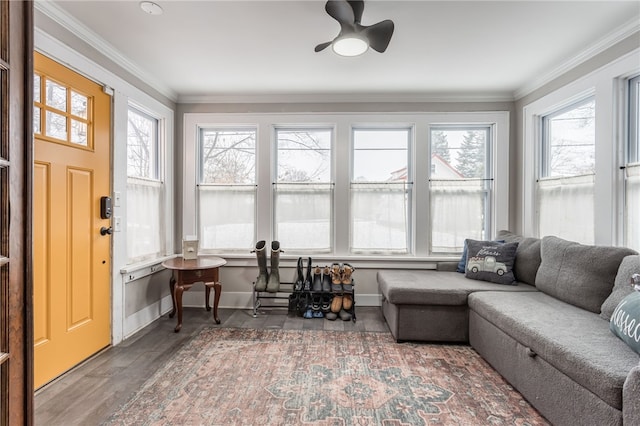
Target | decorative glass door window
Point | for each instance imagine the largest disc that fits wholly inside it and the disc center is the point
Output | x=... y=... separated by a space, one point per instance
x=61 y=113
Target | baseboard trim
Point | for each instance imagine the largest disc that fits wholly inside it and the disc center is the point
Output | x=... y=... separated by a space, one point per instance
x=139 y=320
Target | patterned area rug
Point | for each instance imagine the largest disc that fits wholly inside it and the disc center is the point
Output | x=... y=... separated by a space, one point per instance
x=229 y=376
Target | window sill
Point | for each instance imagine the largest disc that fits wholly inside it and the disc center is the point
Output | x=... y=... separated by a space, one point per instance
x=139 y=270
x=358 y=261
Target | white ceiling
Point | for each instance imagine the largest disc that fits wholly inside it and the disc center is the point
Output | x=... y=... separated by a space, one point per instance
x=465 y=49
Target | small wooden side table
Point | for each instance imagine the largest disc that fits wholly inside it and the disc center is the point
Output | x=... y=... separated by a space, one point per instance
x=185 y=273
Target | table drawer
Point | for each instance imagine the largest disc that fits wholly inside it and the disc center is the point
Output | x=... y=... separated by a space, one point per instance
x=205 y=275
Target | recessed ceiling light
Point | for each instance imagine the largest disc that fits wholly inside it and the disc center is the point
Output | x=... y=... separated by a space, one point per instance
x=151 y=8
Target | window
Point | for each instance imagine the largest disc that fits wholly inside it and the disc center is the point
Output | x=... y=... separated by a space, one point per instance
x=145 y=189
x=565 y=188
x=460 y=186
x=227 y=188
x=303 y=189
x=61 y=113
x=632 y=169
x=380 y=191
x=342 y=185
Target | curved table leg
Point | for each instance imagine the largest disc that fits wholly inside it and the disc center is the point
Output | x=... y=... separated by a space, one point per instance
x=172 y=287
x=217 y=288
x=178 y=300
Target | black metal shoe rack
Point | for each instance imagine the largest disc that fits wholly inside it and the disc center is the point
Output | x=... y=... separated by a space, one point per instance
x=284 y=293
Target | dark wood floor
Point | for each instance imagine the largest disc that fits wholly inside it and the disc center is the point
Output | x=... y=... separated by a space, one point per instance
x=88 y=394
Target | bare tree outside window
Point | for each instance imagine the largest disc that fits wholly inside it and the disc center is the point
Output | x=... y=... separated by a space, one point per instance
x=142 y=145
x=228 y=156
x=570 y=141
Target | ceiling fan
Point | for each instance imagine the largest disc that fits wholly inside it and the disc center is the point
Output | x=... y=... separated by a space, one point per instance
x=354 y=38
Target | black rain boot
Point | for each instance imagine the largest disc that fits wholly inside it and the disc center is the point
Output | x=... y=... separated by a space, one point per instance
x=263 y=275
x=273 y=285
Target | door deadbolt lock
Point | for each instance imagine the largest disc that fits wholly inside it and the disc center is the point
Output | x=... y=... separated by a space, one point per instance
x=105 y=231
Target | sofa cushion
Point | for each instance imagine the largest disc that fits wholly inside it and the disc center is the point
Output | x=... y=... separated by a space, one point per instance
x=622 y=285
x=625 y=321
x=528 y=258
x=578 y=274
x=575 y=341
x=407 y=287
x=491 y=261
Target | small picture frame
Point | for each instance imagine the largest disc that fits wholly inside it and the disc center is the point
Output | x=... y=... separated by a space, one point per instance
x=190 y=247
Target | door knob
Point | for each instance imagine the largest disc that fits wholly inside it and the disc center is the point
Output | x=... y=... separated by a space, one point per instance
x=105 y=231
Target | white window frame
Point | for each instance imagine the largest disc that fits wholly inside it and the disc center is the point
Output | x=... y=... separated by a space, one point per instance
x=408 y=186
x=605 y=84
x=343 y=123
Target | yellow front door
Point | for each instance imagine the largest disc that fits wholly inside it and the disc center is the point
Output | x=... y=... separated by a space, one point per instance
x=72 y=263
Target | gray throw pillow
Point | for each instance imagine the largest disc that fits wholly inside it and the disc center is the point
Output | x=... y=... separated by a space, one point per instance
x=528 y=258
x=622 y=286
x=491 y=261
x=581 y=275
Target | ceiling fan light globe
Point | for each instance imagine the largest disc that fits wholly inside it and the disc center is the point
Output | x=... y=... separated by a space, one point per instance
x=350 y=46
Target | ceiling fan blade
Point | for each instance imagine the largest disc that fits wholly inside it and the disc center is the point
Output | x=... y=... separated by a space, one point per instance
x=323 y=46
x=341 y=11
x=358 y=7
x=379 y=35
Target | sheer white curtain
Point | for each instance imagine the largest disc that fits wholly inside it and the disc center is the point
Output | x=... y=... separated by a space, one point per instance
x=565 y=207
x=457 y=213
x=226 y=216
x=379 y=217
x=632 y=206
x=303 y=215
x=145 y=214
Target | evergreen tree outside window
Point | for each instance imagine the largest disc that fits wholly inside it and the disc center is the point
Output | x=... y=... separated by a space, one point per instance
x=460 y=183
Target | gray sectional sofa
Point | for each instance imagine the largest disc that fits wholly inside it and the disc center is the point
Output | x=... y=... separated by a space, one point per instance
x=547 y=335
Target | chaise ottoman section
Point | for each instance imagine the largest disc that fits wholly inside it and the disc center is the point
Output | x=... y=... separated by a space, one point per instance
x=431 y=305
x=576 y=342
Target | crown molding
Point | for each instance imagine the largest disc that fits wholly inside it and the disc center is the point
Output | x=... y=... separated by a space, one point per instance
x=308 y=98
x=603 y=44
x=79 y=30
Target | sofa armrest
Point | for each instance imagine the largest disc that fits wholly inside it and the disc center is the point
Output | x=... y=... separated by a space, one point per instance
x=630 y=399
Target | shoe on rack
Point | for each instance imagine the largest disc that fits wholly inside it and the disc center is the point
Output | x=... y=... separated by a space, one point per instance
x=347 y=301
x=336 y=303
x=326 y=280
x=326 y=303
x=331 y=316
x=317 y=279
x=346 y=279
x=273 y=283
x=263 y=274
x=307 y=278
x=308 y=314
x=298 y=279
x=336 y=278
x=344 y=315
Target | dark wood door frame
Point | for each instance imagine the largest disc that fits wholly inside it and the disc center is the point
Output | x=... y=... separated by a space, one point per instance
x=16 y=159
